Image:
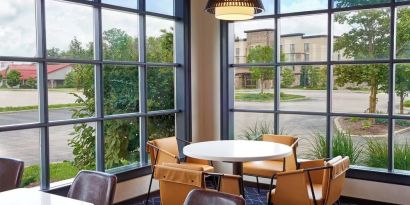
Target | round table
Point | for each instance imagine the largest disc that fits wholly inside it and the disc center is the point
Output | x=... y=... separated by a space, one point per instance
x=237 y=152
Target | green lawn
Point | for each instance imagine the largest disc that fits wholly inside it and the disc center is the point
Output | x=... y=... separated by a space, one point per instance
x=265 y=97
x=58 y=172
x=35 y=107
x=407 y=103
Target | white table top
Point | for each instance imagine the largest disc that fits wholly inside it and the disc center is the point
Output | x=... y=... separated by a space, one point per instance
x=237 y=150
x=33 y=197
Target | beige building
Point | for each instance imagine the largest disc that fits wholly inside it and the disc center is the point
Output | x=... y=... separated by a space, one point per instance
x=296 y=47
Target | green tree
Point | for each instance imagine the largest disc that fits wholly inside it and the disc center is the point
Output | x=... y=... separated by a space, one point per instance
x=317 y=77
x=31 y=82
x=402 y=85
x=304 y=77
x=13 y=78
x=288 y=78
x=348 y=3
x=261 y=54
x=369 y=39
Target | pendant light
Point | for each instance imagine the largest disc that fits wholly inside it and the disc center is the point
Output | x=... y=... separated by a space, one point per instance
x=234 y=10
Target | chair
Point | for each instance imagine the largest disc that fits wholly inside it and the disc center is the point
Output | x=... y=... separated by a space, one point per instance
x=318 y=185
x=11 y=172
x=268 y=168
x=165 y=150
x=177 y=180
x=94 y=187
x=206 y=197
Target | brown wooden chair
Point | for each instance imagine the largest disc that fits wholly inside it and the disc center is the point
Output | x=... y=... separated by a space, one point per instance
x=206 y=197
x=268 y=168
x=97 y=188
x=11 y=172
x=177 y=180
x=312 y=185
x=166 y=150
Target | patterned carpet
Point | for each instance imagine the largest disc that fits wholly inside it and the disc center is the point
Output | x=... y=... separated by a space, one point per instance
x=252 y=197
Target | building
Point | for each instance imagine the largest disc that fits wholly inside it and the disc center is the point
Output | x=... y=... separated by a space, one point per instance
x=296 y=47
x=56 y=73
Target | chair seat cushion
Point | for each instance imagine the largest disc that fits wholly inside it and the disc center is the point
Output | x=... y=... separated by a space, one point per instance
x=262 y=168
x=317 y=188
x=205 y=168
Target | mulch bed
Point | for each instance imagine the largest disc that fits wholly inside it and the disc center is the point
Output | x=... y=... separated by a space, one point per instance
x=358 y=127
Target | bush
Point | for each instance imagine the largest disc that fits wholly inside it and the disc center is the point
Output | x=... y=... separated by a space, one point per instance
x=255 y=131
x=343 y=145
x=377 y=154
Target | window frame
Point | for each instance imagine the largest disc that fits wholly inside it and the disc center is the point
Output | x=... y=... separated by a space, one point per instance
x=227 y=85
x=181 y=66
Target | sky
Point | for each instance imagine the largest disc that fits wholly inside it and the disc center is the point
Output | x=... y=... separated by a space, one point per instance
x=65 y=20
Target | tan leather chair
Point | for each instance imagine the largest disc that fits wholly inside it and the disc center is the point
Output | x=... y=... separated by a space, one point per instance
x=206 y=197
x=177 y=180
x=97 y=188
x=11 y=172
x=268 y=168
x=318 y=183
x=165 y=150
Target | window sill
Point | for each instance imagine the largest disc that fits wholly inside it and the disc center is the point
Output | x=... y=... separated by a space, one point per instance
x=379 y=175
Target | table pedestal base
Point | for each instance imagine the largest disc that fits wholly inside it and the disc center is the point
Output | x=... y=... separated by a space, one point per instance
x=238 y=170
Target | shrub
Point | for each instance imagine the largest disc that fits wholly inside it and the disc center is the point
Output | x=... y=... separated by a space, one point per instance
x=377 y=154
x=343 y=145
x=255 y=131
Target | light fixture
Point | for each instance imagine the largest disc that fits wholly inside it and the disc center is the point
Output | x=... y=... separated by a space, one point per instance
x=234 y=10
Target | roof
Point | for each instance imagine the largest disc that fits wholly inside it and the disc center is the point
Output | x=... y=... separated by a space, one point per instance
x=30 y=70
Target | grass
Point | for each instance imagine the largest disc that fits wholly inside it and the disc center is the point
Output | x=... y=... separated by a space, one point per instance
x=406 y=103
x=35 y=107
x=265 y=97
x=58 y=172
x=377 y=153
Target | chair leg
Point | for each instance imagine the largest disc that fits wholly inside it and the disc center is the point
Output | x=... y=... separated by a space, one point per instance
x=149 y=189
x=257 y=184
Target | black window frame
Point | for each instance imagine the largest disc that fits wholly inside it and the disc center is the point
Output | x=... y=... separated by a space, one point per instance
x=181 y=66
x=227 y=85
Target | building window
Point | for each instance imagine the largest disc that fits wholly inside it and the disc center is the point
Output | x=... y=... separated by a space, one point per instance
x=86 y=83
x=373 y=121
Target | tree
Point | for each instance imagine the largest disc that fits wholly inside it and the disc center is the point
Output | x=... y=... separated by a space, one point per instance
x=304 y=78
x=288 y=78
x=261 y=54
x=348 y=3
x=13 y=78
x=31 y=82
x=317 y=77
x=402 y=86
x=369 y=39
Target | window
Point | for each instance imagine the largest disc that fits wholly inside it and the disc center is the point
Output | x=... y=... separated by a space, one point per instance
x=337 y=82
x=93 y=80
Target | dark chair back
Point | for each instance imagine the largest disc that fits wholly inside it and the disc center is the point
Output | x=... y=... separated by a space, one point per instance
x=94 y=187
x=204 y=197
x=11 y=171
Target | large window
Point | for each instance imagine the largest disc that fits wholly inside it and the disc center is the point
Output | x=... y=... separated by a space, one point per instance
x=85 y=84
x=333 y=73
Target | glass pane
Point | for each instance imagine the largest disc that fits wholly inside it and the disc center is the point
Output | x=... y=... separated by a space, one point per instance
x=69 y=30
x=23 y=145
x=19 y=94
x=70 y=91
x=303 y=88
x=124 y=3
x=121 y=89
x=120 y=35
x=360 y=88
x=254 y=41
x=310 y=129
x=160 y=6
x=364 y=140
x=161 y=126
x=349 y=3
x=18 y=28
x=160 y=40
x=304 y=38
x=402 y=145
x=402 y=32
x=269 y=8
x=254 y=88
x=251 y=126
x=402 y=89
x=361 y=35
x=288 y=6
x=161 y=88
x=72 y=148
x=122 y=143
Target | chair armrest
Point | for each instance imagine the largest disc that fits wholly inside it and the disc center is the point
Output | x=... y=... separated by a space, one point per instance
x=312 y=164
x=163 y=151
x=182 y=140
x=293 y=146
